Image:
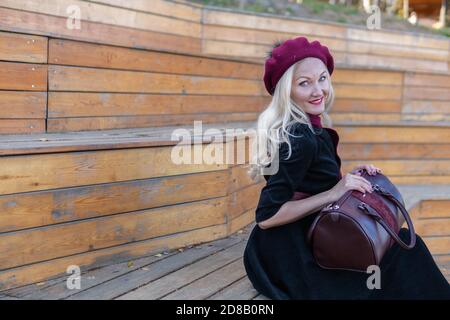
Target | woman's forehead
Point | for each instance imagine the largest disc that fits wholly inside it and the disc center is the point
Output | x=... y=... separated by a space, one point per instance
x=309 y=67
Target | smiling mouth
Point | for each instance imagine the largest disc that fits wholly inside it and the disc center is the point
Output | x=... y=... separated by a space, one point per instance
x=317 y=101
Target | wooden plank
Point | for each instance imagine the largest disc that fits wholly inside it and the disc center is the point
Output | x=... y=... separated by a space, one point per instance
x=45 y=243
x=242 y=221
x=117 y=16
x=112 y=139
x=434 y=209
x=76 y=53
x=41 y=271
x=239 y=290
x=207 y=286
x=179 y=10
x=239 y=178
x=406 y=167
x=350 y=118
x=395 y=63
x=438 y=245
x=398 y=38
x=362 y=105
x=422 y=180
x=81 y=104
x=104 y=123
x=23 y=48
x=359 y=77
x=51 y=171
x=22 y=104
x=174 y=281
x=120 y=285
x=247 y=36
x=40 y=24
x=20 y=126
x=378 y=151
x=397 y=51
x=100 y=80
x=427 y=80
x=23 y=76
x=433 y=227
x=243 y=200
x=411 y=93
x=284 y=24
x=19 y=211
x=425 y=106
x=385 y=134
x=368 y=92
x=57 y=288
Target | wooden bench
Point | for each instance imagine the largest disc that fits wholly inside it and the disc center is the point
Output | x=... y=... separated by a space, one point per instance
x=86 y=117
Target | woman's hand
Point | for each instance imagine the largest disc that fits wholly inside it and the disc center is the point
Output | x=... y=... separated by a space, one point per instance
x=349 y=182
x=371 y=169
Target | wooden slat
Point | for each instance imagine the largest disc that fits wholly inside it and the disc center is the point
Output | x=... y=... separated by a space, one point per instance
x=13 y=126
x=241 y=221
x=397 y=51
x=174 y=281
x=19 y=211
x=398 y=38
x=433 y=227
x=359 y=77
x=362 y=105
x=43 y=270
x=61 y=240
x=375 y=151
x=122 y=284
x=23 y=76
x=79 y=104
x=434 y=209
x=29 y=22
x=103 y=123
x=50 y=171
x=232 y=19
x=406 y=167
x=438 y=245
x=422 y=180
x=253 y=36
x=426 y=80
x=395 y=63
x=440 y=135
x=23 y=48
x=75 y=53
x=411 y=93
x=185 y=12
x=243 y=200
x=425 y=106
x=368 y=92
x=20 y=104
x=100 y=80
x=116 y=139
x=211 y=283
x=239 y=290
x=109 y=15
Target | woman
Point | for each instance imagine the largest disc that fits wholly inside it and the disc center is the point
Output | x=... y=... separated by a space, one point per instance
x=277 y=259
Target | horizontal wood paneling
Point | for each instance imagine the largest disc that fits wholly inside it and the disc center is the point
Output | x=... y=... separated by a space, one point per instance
x=23 y=48
x=23 y=76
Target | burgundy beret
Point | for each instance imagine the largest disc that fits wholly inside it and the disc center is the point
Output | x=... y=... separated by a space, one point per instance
x=288 y=53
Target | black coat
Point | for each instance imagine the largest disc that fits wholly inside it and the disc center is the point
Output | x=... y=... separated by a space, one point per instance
x=278 y=260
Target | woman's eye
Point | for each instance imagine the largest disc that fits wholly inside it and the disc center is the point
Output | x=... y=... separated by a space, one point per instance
x=324 y=77
x=303 y=83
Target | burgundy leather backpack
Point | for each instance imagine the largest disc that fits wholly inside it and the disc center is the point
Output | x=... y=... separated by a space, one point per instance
x=355 y=231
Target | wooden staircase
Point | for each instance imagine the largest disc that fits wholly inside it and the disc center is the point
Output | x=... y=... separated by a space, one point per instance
x=86 y=118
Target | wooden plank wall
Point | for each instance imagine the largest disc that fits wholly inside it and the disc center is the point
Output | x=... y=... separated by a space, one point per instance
x=136 y=65
x=140 y=65
x=98 y=207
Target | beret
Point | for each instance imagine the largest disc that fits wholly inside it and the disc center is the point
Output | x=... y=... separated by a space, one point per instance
x=288 y=53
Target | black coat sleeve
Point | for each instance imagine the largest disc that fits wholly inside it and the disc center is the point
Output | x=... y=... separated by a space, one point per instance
x=280 y=187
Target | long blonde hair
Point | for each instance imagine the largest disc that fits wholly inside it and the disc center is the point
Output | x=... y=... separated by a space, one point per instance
x=275 y=122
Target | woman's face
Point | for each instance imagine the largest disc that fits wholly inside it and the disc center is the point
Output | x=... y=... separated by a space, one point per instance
x=310 y=85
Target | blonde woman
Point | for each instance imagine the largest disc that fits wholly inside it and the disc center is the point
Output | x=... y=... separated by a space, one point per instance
x=277 y=259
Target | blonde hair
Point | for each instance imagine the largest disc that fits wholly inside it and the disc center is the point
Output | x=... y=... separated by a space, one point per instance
x=275 y=122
